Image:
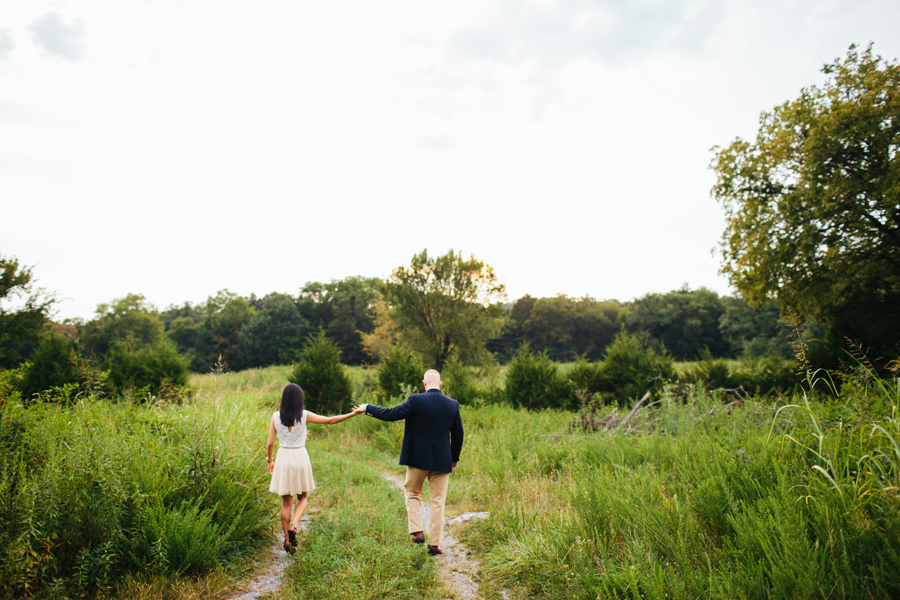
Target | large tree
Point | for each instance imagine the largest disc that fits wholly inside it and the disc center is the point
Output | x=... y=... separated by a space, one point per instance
x=275 y=335
x=23 y=312
x=813 y=205
x=446 y=305
x=344 y=309
x=130 y=319
x=684 y=322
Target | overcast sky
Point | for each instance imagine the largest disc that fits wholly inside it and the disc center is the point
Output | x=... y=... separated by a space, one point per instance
x=174 y=148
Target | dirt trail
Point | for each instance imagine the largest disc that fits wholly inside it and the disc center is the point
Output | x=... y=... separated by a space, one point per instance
x=457 y=568
x=270 y=580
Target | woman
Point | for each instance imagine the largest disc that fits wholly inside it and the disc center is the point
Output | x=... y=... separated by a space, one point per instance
x=291 y=470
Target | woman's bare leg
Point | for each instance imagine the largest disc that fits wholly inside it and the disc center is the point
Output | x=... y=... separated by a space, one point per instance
x=286 y=515
x=298 y=510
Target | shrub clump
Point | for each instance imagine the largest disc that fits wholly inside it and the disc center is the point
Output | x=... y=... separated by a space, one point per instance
x=147 y=369
x=399 y=371
x=534 y=381
x=321 y=375
x=630 y=370
x=459 y=381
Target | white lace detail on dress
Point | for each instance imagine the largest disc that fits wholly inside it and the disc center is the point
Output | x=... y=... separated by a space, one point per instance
x=290 y=439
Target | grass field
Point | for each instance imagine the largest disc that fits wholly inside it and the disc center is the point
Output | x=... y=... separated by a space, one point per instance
x=783 y=498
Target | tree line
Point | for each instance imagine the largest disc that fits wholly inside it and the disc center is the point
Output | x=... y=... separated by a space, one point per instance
x=436 y=309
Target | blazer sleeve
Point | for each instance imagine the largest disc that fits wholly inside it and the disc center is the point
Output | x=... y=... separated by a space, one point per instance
x=456 y=437
x=398 y=413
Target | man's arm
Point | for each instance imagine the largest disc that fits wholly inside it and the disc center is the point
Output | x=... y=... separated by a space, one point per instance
x=456 y=438
x=397 y=413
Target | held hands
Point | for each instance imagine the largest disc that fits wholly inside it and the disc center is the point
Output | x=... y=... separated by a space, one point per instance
x=359 y=409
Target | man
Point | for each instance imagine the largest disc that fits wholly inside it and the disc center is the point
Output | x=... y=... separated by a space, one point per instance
x=432 y=441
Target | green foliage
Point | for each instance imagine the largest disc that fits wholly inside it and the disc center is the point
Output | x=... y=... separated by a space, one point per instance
x=585 y=376
x=459 y=381
x=345 y=309
x=534 y=381
x=226 y=314
x=321 y=375
x=131 y=319
x=684 y=322
x=446 y=306
x=811 y=205
x=21 y=327
x=630 y=370
x=95 y=493
x=273 y=336
x=565 y=327
x=569 y=327
x=146 y=369
x=400 y=371
x=54 y=364
x=703 y=503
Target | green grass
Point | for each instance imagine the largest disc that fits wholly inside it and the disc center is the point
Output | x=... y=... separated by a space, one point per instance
x=768 y=499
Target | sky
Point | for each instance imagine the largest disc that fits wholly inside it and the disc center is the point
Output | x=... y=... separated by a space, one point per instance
x=175 y=148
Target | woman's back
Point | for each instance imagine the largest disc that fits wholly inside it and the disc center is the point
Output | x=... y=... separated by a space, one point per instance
x=294 y=438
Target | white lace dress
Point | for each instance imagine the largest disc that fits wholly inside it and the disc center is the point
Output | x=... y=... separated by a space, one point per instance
x=293 y=472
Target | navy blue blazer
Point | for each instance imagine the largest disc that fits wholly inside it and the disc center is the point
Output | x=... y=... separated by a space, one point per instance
x=433 y=432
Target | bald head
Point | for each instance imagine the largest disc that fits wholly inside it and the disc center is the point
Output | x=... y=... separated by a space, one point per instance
x=432 y=379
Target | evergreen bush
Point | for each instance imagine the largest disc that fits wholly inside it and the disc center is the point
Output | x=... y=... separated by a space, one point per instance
x=585 y=376
x=534 y=381
x=459 y=381
x=630 y=370
x=399 y=371
x=321 y=375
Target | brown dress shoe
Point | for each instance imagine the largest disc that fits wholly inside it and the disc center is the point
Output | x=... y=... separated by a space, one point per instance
x=434 y=550
x=418 y=537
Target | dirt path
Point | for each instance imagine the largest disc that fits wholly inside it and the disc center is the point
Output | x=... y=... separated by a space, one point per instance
x=457 y=568
x=270 y=580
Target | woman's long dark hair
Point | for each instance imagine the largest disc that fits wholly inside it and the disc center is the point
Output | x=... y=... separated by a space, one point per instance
x=291 y=409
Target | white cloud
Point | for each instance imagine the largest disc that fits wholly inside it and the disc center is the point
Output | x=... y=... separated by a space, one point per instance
x=6 y=43
x=58 y=37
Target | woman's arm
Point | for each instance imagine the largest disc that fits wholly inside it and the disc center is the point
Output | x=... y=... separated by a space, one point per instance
x=270 y=446
x=314 y=418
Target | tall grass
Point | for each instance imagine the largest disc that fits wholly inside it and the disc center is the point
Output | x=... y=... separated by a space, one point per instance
x=94 y=493
x=705 y=503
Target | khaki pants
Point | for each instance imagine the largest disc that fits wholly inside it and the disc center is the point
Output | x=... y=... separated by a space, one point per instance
x=437 y=487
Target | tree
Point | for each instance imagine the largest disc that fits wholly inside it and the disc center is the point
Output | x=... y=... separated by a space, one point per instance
x=226 y=315
x=534 y=381
x=321 y=375
x=20 y=327
x=275 y=335
x=149 y=368
x=813 y=205
x=54 y=364
x=570 y=327
x=131 y=318
x=446 y=305
x=345 y=309
x=684 y=322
